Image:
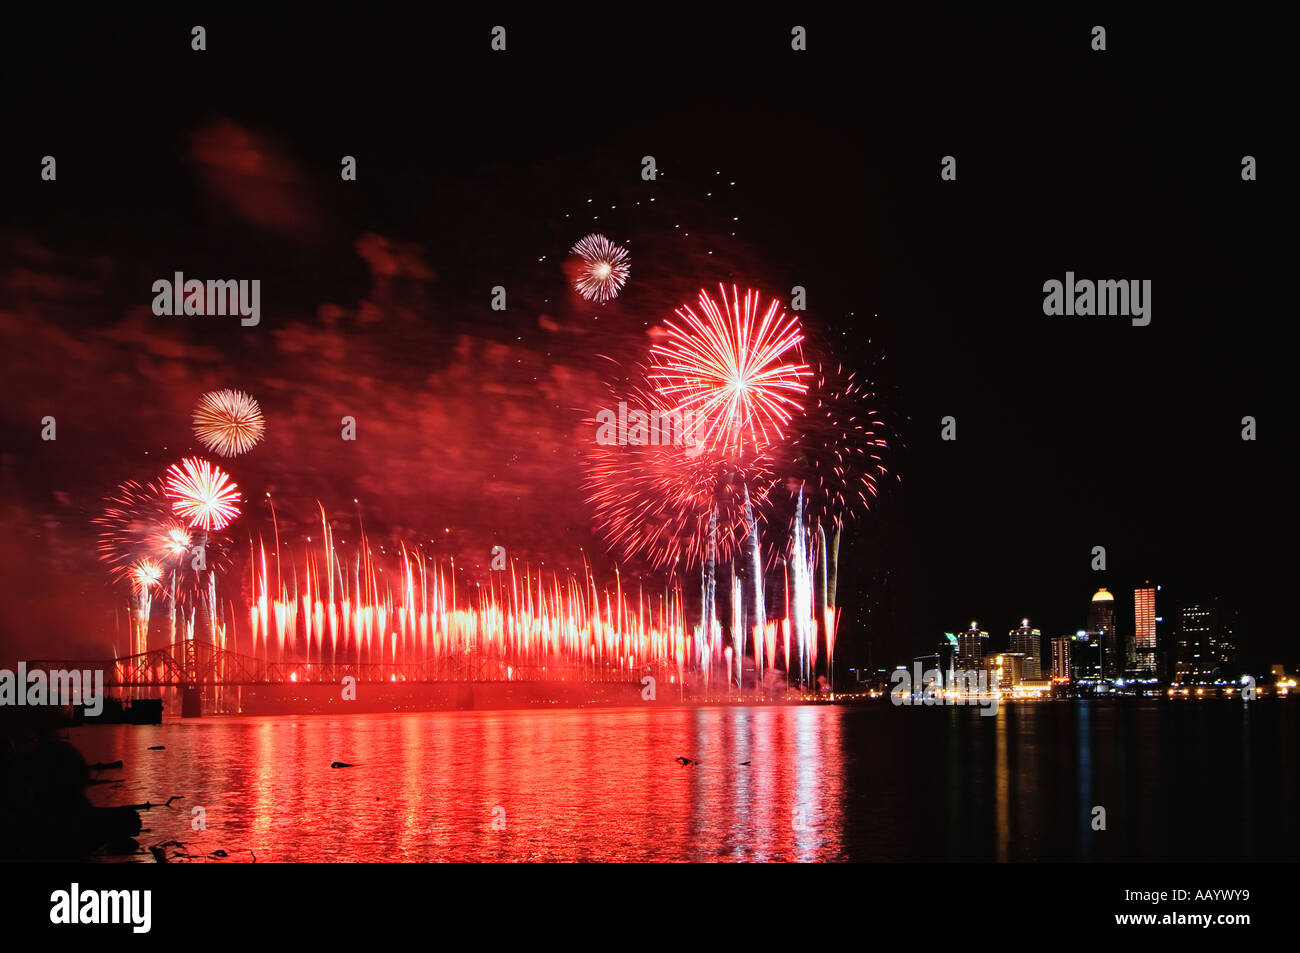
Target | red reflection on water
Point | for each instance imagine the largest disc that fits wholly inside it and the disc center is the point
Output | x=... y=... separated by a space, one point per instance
x=567 y=785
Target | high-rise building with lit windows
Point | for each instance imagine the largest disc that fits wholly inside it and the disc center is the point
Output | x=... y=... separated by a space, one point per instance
x=971 y=645
x=1061 y=658
x=1102 y=632
x=1028 y=642
x=1142 y=649
x=1205 y=643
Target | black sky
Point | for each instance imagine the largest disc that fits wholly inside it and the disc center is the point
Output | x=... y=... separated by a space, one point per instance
x=1072 y=432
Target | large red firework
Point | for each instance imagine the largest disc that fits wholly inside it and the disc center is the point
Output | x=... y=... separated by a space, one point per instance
x=133 y=526
x=656 y=500
x=735 y=364
x=201 y=494
x=836 y=451
x=138 y=531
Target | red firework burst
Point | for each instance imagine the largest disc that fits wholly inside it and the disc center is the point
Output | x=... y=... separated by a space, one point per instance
x=201 y=494
x=837 y=449
x=131 y=525
x=603 y=270
x=732 y=365
x=657 y=500
x=139 y=530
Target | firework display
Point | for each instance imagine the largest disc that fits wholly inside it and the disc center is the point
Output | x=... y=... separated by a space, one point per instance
x=202 y=494
x=837 y=447
x=745 y=418
x=136 y=525
x=732 y=366
x=735 y=370
x=658 y=499
x=228 y=422
x=604 y=268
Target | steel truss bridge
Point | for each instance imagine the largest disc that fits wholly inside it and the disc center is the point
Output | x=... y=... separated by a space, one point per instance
x=196 y=665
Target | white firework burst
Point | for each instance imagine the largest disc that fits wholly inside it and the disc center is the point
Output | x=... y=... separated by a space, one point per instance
x=228 y=422
x=604 y=268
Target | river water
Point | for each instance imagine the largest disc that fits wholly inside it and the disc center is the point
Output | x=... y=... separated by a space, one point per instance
x=1177 y=780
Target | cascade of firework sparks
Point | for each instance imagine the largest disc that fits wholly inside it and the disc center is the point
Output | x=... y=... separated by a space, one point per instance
x=763 y=420
x=228 y=422
x=603 y=268
x=136 y=533
x=801 y=582
x=145 y=544
x=665 y=497
x=835 y=459
x=730 y=365
x=348 y=608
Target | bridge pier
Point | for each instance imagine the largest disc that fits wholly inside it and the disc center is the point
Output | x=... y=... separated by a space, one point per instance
x=191 y=702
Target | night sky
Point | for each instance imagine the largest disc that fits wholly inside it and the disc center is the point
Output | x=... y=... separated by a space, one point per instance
x=478 y=168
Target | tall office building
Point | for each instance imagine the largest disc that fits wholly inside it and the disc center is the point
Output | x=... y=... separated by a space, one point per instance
x=1061 y=658
x=1205 y=643
x=1028 y=642
x=948 y=650
x=1101 y=629
x=1006 y=669
x=1142 y=650
x=971 y=645
x=1192 y=644
x=1087 y=660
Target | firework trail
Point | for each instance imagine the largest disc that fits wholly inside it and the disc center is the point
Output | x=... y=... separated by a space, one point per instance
x=603 y=268
x=834 y=463
x=732 y=366
x=228 y=422
x=801 y=582
x=351 y=610
x=129 y=543
x=201 y=494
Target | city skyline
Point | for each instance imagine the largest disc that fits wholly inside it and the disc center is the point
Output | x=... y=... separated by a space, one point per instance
x=1194 y=637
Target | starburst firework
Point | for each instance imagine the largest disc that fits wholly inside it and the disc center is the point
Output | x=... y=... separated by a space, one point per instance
x=228 y=422
x=133 y=526
x=656 y=500
x=201 y=494
x=732 y=365
x=837 y=447
x=147 y=576
x=604 y=268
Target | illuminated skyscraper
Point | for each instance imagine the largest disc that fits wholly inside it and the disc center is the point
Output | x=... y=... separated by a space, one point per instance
x=1087 y=661
x=1061 y=658
x=971 y=644
x=1142 y=651
x=1205 y=642
x=1029 y=642
x=1101 y=629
